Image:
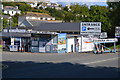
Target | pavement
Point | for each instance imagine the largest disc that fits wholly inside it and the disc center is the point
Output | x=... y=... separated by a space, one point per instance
x=66 y=65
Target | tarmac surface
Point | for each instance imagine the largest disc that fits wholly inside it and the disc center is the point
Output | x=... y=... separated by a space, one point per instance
x=54 y=65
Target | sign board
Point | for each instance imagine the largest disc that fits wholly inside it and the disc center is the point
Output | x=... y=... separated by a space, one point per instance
x=103 y=35
x=105 y=40
x=90 y=28
x=117 y=32
x=62 y=42
x=13 y=48
x=27 y=31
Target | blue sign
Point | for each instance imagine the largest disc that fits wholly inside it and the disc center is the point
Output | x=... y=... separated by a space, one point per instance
x=83 y=28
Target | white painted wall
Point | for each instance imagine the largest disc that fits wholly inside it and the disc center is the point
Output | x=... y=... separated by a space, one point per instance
x=86 y=44
x=70 y=41
x=11 y=12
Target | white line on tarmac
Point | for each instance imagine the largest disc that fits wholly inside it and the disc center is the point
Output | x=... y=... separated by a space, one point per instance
x=101 y=61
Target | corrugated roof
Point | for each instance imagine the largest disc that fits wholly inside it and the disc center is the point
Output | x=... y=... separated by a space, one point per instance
x=34 y=14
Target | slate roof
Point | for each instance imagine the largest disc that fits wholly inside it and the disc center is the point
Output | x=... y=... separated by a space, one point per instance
x=10 y=8
x=5 y=16
x=70 y=27
x=35 y=22
x=59 y=27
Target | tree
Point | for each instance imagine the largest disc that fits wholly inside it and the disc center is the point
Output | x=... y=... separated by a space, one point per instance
x=66 y=8
x=114 y=15
x=115 y=12
x=21 y=5
x=101 y=14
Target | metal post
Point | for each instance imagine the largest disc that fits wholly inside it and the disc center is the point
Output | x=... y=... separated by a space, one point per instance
x=10 y=27
x=115 y=47
x=81 y=43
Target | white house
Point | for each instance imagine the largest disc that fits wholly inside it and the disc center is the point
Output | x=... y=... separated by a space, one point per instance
x=11 y=10
x=50 y=5
x=32 y=4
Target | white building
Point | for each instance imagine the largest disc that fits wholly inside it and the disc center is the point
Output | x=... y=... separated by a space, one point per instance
x=50 y=5
x=11 y=10
x=32 y=4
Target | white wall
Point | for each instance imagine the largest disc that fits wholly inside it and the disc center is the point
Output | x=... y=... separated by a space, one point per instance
x=70 y=41
x=11 y=12
x=86 y=44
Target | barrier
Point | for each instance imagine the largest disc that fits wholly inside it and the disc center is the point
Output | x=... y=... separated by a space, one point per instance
x=102 y=48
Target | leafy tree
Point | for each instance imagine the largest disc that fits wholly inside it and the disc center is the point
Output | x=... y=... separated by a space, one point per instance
x=5 y=23
x=100 y=14
x=66 y=8
x=114 y=16
x=22 y=5
x=115 y=12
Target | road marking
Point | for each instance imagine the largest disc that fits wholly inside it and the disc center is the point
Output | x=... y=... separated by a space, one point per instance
x=101 y=61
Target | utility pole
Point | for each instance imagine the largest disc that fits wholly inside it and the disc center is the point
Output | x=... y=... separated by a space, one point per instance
x=9 y=19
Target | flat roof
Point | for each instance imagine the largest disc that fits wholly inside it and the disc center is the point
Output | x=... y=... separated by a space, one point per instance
x=70 y=27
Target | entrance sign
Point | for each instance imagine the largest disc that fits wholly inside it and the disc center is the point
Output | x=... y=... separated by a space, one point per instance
x=62 y=42
x=117 y=32
x=90 y=28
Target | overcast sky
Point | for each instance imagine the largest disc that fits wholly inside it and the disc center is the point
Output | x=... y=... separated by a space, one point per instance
x=78 y=0
x=88 y=2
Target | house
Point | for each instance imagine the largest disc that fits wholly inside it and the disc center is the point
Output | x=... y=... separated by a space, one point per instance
x=34 y=19
x=50 y=5
x=32 y=4
x=11 y=10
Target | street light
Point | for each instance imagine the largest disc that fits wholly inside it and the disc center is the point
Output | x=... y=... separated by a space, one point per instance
x=9 y=19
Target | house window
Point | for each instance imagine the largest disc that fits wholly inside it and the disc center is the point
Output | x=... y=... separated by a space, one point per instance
x=12 y=12
x=41 y=18
x=7 y=12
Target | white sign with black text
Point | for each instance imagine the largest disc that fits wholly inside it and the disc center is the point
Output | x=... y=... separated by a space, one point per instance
x=93 y=28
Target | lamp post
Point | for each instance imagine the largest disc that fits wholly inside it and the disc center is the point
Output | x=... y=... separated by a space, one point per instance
x=9 y=19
